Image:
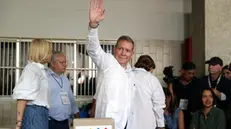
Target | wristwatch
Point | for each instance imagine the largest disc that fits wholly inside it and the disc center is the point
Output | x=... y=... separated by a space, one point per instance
x=93 y=25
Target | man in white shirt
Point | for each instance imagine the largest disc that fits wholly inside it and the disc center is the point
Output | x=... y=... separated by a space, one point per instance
x=114 y=81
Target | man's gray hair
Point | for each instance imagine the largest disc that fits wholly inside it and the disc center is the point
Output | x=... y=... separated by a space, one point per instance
x=53 y=56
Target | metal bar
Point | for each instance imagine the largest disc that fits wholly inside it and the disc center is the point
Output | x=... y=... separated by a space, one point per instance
x=17 y=63
x=27 y=53
x=59 y=47
x=89 y=75
x=24 y=49
x=75 y=68
x=92 y=79
x=63 y=41
x=108 y=50
x=3 y=72
x=86 y=86
x=11 y=70
x=54 y=47
x=7 y=64
x=10 y=67
x=1 y=64
x=53 y=39
x=83 y=62
x=1 y=53
x=78 y=69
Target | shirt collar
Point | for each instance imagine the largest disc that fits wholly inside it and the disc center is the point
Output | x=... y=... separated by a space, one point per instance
x=140 y=69
x=128 y=68
x=209 y=113
x=41 y=66
x=51 y=72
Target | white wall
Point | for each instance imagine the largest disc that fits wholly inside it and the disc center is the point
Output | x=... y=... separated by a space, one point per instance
x=157 y=22
x=141 y=19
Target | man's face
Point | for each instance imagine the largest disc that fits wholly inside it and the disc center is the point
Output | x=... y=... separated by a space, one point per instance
x=188 y=75
x=123 y=52
x=214 y=69
x=60 y=63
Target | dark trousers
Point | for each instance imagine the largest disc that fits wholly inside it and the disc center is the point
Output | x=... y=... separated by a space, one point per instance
x=54 y=124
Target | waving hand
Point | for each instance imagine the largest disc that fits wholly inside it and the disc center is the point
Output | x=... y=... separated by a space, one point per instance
x=96 y=12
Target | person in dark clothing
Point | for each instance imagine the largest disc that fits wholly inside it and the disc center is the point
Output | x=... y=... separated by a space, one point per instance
x=215 y=80
x=187 y=91
x=221 y=86
x=227 y=74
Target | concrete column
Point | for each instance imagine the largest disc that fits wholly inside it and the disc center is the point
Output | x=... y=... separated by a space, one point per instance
x=211 y=30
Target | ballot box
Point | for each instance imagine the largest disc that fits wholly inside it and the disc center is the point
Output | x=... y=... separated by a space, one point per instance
x=93 y=123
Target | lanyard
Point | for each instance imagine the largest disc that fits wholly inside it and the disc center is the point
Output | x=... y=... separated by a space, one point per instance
x=218 y=80
x=60 y=85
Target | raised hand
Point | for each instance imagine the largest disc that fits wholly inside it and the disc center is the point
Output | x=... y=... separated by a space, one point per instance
x=96 y=12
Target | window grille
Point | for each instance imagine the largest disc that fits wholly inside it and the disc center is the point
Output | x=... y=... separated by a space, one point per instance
x=81 y=71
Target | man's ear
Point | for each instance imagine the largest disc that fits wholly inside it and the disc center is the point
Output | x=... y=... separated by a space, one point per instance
x=114 y=49
x=133 y=51
x=52 y=63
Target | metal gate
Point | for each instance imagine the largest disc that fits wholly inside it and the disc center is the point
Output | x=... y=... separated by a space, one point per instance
x=81 y=71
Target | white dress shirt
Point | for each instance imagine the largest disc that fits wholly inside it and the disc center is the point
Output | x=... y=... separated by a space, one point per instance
x=148 y=101
x=113 y=84
x=33 y=85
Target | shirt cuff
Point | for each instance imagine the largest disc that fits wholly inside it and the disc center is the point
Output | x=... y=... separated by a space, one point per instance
x=223 y=96
x=93 y=32
x=76 y=110
x=25 y=94
x=95 y=96
x=160 y=122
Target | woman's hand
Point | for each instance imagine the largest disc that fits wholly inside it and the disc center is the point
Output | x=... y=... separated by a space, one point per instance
x=18 y=125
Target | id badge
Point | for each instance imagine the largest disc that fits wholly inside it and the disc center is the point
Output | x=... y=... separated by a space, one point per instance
x=64 y=98
x=183 y=104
